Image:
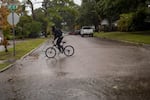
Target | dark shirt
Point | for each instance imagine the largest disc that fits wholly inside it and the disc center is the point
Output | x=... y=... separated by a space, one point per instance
x=57 y=33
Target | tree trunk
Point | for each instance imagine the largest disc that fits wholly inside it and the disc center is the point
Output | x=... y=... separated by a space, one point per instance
x=110 y=24
x=45 y=3
x=5 y=43
x=32 y=9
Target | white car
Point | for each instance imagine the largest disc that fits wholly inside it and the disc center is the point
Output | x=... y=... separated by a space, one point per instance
x=87 y=30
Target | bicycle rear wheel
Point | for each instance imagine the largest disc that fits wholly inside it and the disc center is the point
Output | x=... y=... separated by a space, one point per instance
x=50 y=52
x=68 y=50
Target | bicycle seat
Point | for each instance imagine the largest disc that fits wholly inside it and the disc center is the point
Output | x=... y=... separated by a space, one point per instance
x=63 y=42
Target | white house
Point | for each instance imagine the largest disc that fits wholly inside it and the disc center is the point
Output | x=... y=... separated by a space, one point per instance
x=105 y=22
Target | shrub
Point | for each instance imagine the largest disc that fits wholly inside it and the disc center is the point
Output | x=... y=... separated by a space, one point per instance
x=7 y=33
x=139 y=18
x=35 y=28
x=125 y=22
x=133 y=21
x=31 y=29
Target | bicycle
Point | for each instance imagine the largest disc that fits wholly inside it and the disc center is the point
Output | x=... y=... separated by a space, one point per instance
x=68 y=50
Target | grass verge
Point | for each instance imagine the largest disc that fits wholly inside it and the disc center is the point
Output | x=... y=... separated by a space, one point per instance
x=136 y=37
x=21 y=49
x=3 y=65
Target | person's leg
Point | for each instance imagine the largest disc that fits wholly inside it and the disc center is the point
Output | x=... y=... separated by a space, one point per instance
x=58 y=44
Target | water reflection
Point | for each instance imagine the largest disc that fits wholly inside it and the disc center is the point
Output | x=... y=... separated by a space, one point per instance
x=57 y=66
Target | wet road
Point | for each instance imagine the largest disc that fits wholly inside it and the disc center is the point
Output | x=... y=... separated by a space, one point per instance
x=99 y=70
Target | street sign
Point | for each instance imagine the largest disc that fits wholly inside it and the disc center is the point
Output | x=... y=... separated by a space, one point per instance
x=13 y=18
x=12 y=7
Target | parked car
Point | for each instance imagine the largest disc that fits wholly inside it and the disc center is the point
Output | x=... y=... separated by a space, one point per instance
x=86 y=30
x=76 y=32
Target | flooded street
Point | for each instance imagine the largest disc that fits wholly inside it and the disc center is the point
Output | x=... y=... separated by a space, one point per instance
x=99 y=70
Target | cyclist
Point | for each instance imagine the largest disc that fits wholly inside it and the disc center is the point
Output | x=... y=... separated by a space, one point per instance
x=58 y=36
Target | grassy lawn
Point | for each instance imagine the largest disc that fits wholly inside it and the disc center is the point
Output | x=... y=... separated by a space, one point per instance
x=137 y=37
x=21 y=49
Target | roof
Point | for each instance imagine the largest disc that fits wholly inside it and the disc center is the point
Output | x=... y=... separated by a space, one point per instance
x=104 y=22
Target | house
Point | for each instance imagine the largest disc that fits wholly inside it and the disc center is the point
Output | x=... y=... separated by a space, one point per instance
x=104 y=25
x=105 y=22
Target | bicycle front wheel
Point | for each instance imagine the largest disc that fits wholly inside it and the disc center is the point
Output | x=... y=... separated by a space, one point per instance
x=68 y=50
x=50 y=52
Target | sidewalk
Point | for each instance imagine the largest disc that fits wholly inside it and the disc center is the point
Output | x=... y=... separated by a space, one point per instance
x=10 y=61
x=2 y=47
x=11 y=44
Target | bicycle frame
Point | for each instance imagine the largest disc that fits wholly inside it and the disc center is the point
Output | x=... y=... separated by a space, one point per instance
x=68 y=50
x=56 y=46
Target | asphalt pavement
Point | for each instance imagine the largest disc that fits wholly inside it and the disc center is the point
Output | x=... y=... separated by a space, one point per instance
x=99 y=70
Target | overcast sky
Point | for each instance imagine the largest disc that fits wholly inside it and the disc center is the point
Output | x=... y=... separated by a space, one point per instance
x=37 y=3
x=77 y=2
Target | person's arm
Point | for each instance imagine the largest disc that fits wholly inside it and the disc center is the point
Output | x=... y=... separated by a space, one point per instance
x=54 y=35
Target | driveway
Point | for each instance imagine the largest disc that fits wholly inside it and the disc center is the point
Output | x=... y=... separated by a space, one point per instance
x=99 y=70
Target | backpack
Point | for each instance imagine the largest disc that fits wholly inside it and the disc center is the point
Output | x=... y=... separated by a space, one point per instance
x=58 y=33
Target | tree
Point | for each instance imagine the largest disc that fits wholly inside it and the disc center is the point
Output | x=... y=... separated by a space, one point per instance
x=125 y=23
x=28 y=27
x=32 y=8
x=4 y=26
x=58 y=12
x=111 y=9
x=22 y=31
x=4 y=11
x=3 y=18
x=88 y=13
x=34 y=27
x=41 y=17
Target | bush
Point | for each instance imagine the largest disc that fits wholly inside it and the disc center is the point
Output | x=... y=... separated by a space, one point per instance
x=19 y=33
x=125 y=22
x=28 y=28
x=139 y=18
x=133 y=21
x=7 y=33
x=32 y=29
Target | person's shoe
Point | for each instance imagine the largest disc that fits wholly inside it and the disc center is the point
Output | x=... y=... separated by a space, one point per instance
x=61 y=51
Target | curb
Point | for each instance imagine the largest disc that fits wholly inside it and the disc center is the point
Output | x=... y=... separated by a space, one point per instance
x=4 y=69
x=128 y=42
x=137 y=44
x=9 y=66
